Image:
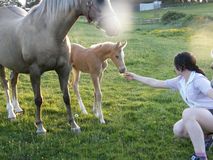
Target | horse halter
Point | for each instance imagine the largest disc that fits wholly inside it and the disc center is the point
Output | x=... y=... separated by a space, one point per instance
x=90 y=5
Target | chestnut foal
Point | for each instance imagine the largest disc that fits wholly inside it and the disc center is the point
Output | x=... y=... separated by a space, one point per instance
x=93 y=60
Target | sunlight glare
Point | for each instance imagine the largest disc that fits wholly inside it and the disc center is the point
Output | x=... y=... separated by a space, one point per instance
x=123 y=13
x=201 y=43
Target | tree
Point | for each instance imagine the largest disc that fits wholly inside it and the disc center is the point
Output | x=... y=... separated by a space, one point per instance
x=9 y=3
x=29 y=3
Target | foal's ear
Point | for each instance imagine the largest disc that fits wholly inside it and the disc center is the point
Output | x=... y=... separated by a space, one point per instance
x=118 y=44
x=121 y=44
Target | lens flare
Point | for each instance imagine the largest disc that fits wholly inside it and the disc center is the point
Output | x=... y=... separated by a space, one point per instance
x=123 y=12
x=201 y=43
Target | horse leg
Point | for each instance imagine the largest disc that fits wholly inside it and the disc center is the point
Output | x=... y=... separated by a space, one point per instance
x=35 y=77
x=75 y=81
x=63 y=75
x=13 y=79
x=10 y=108
x=98 y=98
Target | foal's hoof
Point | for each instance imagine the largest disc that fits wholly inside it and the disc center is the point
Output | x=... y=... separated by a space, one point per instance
x=76 y=130
x=85 y=112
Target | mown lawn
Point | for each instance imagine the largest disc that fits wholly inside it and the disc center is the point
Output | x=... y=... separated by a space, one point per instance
x=139 y=118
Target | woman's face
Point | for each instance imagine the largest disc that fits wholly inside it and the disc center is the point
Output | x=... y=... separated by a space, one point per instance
x=177 y=71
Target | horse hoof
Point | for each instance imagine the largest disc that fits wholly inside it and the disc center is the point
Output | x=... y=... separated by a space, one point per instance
x=41 y=132
x=76 y=130
x=12 y=119
x=19 y=111
x=12 y=116
x=102 y=121
x=97 y=115
x=41 y=129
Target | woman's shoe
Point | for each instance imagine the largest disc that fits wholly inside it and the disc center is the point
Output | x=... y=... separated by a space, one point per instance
x=208 y=142
x=194 y=157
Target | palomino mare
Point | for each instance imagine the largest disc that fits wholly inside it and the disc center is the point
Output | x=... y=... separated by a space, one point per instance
x=93 y=60
x=37 y=41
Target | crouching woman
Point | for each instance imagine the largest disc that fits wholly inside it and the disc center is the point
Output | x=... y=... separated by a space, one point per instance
x=196 y=91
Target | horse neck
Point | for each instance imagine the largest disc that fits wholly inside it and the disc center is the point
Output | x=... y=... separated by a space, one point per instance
x=103 y=53
x=57 y=20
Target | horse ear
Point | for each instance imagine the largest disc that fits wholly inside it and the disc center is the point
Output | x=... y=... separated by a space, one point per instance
x=118 y=45
x=123 y=45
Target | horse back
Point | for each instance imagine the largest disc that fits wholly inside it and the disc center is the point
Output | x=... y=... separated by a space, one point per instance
x=79 y=57
x=77 y=52
x=84 y=59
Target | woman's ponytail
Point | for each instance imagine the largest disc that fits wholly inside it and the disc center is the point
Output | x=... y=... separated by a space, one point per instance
x=184 y=61
x=198 y=70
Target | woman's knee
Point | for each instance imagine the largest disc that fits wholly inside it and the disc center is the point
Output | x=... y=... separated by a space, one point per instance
x=187 y=114
x=178 y=129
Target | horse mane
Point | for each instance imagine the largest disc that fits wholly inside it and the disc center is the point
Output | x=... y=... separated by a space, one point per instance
x=101 y=45
x=52 y=8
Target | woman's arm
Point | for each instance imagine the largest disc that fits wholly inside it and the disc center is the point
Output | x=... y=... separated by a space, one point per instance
x=146 y=80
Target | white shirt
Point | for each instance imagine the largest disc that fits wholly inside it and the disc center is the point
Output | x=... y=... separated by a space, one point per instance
x=194 y=91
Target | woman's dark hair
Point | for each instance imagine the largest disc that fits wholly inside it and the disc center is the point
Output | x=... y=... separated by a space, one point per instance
x=186 y=60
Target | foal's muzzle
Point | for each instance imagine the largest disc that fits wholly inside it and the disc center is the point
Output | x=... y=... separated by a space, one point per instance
x=122 y=70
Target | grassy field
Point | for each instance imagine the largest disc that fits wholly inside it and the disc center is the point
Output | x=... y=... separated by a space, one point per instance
x=139 y=118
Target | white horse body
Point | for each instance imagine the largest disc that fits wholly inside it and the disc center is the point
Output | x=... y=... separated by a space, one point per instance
x=36 y=42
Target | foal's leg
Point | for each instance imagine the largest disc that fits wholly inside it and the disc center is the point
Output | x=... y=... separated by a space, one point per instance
x=75 y=81
x=10 y=108
x=14 y=78
x=104 y=66
x=63 y=75
x=35 y=77
x=98 y=98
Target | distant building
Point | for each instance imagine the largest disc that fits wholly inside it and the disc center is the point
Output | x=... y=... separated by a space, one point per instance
x=150 y=6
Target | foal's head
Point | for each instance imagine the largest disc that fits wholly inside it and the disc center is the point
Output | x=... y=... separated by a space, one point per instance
x=117 y=56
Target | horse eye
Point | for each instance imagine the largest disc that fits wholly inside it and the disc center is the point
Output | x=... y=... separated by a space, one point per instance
x=100 y=1
x=117 y=57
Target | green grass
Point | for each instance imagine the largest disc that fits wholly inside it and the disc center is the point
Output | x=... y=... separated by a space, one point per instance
x=139 y=118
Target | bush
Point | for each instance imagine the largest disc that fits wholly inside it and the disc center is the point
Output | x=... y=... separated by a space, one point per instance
x=171 y=16
x=9 y=2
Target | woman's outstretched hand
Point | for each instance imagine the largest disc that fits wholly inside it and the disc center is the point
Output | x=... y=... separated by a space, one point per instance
x=129 y=75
